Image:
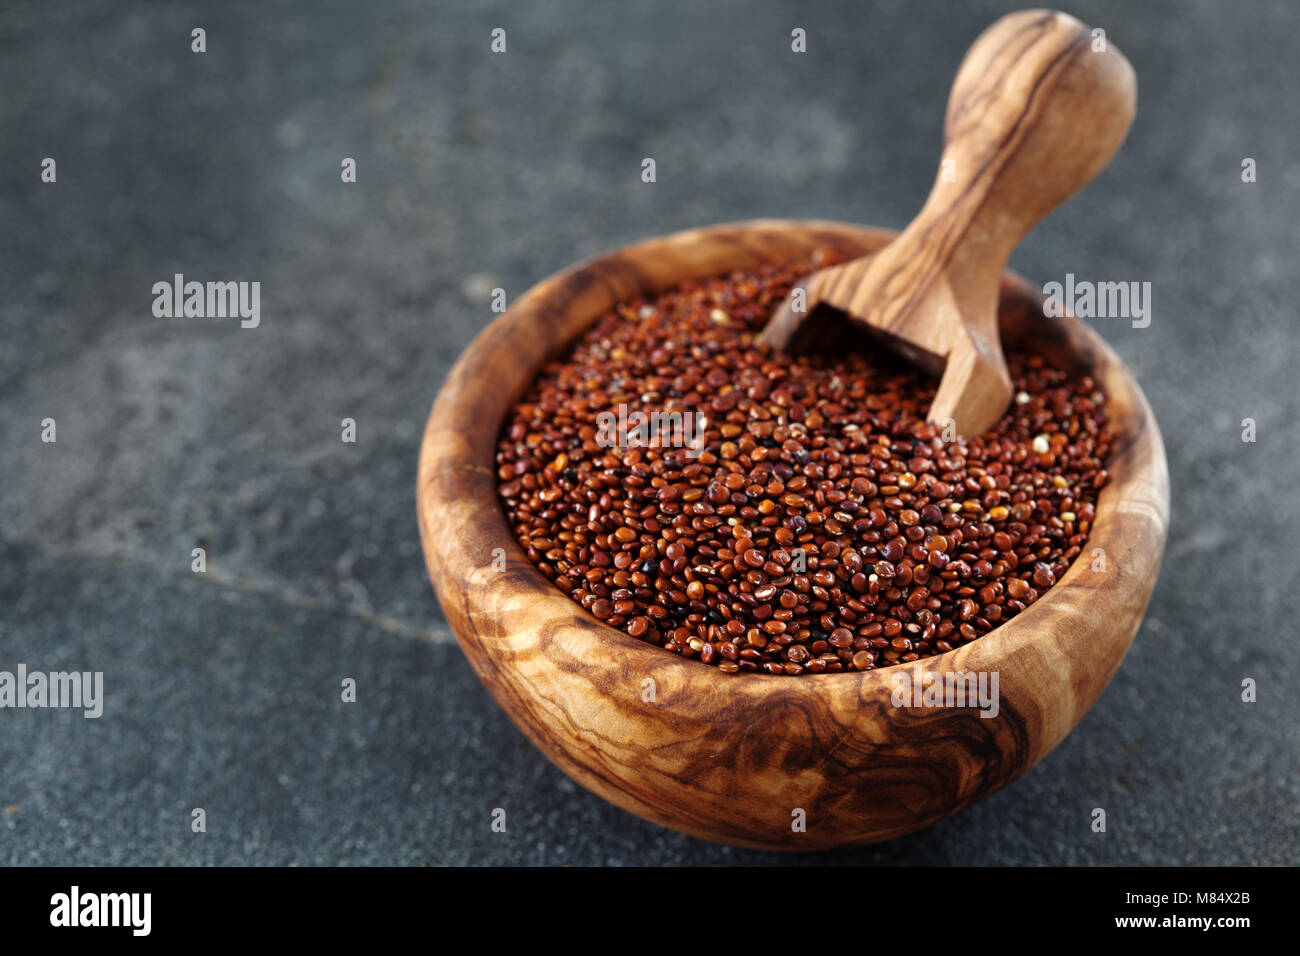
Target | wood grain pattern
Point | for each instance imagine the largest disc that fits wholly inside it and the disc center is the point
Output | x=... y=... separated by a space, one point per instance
x=1034 y=114
x=729 y=758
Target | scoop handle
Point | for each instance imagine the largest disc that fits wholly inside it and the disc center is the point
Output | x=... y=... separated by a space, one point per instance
x=1038 y=107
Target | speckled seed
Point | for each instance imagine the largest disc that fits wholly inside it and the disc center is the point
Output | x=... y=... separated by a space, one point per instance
x=1018 y=589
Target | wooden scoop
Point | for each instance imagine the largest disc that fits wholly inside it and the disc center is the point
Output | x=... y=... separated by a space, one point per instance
x=1038 y=107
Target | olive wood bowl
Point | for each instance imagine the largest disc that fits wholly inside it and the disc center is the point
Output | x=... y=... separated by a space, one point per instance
x=734 y=758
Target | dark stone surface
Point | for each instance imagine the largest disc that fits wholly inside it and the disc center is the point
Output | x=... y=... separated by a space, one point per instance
x=478 y=170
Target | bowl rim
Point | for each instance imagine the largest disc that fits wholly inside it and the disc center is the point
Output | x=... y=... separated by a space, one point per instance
x=496 y=613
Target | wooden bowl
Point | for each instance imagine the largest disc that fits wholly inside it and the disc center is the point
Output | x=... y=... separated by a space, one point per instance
x=733 y=758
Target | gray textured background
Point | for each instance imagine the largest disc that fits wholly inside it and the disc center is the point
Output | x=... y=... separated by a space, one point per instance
x=475 y=171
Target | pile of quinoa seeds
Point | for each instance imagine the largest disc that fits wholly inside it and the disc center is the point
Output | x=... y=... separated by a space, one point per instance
x=802 y=517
